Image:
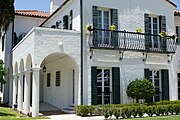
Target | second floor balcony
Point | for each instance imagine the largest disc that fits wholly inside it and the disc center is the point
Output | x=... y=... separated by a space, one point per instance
x=131 y=41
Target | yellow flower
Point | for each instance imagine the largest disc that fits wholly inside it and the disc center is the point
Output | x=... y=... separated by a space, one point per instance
x=163 y=34
x=112 y=27
x=139 y=30
x=88 y=27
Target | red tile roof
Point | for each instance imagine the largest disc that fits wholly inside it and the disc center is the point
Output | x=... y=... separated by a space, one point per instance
x=177 y=13
x=169 y=1
x=32 y=13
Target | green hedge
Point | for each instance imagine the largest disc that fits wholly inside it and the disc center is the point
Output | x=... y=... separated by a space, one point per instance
x=130 y=110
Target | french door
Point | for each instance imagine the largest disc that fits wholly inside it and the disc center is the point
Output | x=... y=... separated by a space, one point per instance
x=155 y=77
x=154 y=29
x=103 y=23
x=104 y=86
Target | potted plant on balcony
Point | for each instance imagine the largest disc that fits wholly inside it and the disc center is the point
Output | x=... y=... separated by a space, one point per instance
x=112 y=27
x=163 y=34
x=139 y=30
x=89 y=27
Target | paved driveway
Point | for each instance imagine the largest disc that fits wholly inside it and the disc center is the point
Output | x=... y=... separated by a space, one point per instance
x=74 y=117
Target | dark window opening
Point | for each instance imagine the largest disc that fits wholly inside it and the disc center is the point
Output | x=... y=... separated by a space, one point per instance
x=71 y=19
x=48 y=79
x=58 y=78
x=65 y=22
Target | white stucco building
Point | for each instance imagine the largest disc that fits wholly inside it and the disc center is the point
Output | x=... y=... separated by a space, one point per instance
x=62 y=64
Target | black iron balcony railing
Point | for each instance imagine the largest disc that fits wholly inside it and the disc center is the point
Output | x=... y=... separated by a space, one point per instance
x=123 y=40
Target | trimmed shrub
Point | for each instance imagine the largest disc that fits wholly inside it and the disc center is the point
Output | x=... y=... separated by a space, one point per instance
x=135 y=111
x=117 y=112
x=127 y=111
x=82 y=110
x=105 y=112
x=151 y=110
x=141 y=110
x=140 y=89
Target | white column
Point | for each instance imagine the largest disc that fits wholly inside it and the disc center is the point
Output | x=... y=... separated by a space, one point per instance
x=27 y=92
x=10 y=77
x=35 y=92
x=14 y=89
x=20 y=92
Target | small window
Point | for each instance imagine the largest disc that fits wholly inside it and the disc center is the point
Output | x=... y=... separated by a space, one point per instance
x=58 y=78
x=48 y=79
x=178 y=34
x=70 y=19
x=65 y=22
x=21 y=36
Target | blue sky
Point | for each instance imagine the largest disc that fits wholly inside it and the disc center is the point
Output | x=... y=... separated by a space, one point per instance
x=43 y=5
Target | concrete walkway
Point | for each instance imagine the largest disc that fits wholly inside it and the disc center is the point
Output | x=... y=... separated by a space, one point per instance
x=74 y=117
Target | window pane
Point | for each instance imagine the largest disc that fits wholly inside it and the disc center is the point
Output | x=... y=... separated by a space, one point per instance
x=48 y=79
x=58 y=78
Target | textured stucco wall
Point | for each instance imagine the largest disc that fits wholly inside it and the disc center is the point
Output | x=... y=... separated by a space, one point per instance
x=71 y=5
x=41 y=42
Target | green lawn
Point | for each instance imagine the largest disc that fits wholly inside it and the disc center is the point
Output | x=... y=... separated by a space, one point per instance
x=10 y=114
x=173 y=117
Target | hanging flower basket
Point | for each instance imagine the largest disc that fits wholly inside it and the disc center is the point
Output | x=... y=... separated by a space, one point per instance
x=139 y=30
x=89 y=28
x=163 y=34
x=112 y=27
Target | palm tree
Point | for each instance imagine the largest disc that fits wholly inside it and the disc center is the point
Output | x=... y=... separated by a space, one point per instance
x=6 y=14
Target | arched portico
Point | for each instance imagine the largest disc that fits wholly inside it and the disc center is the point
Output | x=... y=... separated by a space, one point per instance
x=59 y=80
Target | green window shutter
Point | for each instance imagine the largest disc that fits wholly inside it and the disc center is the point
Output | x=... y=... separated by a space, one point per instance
x=146 y=74
x=147 y=25
x=165 y=84
x=94 y=85
x=116 y=85
x=114 y=20
x=95 y=25
x=162 y=27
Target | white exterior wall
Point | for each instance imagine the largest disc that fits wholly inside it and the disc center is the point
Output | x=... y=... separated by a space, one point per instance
x=41 y=42
x=131 y=17
x=60 y=96
x=71 y=5
x=54 y=4
x=131 y=12
x=23 y=24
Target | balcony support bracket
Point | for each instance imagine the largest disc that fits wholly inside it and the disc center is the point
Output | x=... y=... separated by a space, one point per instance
x=145 y=57
x=91 y=53
x=170 y=57
x=121 y=55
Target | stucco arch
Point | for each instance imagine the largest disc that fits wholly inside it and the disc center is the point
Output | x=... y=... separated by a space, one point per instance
x=59 y=53
x=68 y=69
x=21 y=67
x=16 y=68
x=29 y=62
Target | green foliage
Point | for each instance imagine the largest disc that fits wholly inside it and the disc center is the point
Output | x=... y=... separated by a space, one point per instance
x=6 y=13
x=127 y=111
x=117 y=112
x=82 y=110
x=140 y=89
x=151 y=110
x=2 y=72
x=141 y=110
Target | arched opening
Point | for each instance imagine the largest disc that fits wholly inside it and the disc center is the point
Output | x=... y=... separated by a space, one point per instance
x=29 y=68
x=59 y=81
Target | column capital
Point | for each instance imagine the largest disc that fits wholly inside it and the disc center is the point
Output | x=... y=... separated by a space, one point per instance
x=36 y=68
x=27 y=71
